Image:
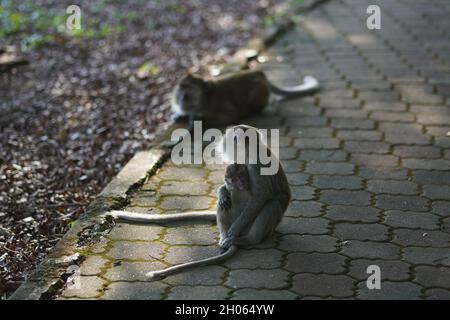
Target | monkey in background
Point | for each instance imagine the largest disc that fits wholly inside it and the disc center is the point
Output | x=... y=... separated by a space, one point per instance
x=227 y=99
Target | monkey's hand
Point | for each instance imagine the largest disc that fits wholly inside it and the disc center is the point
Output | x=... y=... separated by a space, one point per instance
x=224 y=201
x=226 y=243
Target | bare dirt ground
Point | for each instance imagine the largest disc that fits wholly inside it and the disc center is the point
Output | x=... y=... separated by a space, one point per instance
x=75 y=115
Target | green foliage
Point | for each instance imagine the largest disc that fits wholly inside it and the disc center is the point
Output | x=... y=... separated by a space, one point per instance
x=35 y=25
x=148 y=69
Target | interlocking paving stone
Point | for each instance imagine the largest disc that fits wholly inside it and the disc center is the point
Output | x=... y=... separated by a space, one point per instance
x=297 y=179
x=183 y=188
x=407 y=138
x=353 y=213
x=373 y=250
x=132 y=271
x=374 y=160
x=389 y=270
x=255 y=259
x=437 y=192
x=323 y=285
x=288 y=153
x=432 y=177
x=438 y=294
x=136 y=250
x=126 y=231
x=306 y=121
x=383 y=173
x=413 y=220
x=390 y=291
x=360 y=231
x=323 y=155
x=209 y=275
x=392 y=187
x=339 y=103
x=193 y=235
x=303 y=225
x=182 y=173
x=89 y=287
x=134 y=291
x=258 y=279
x=144 y=199
x=291 y=166
x=415 y=151
x=316 y=143
x=431 y=256
x=99 y=247
x=302 y=193
x=186 y=203
x=392 y=116
x=334 y=197
x=93 y=265
x=427 y=164
x=183 y=254
x=430 y=276
x=197 y=293
x=352 y=124
x=330 y=168
x=359 y=135
x=308 y=243
x=252 y=294
x=338 y=182
x=304 y=209
x=383 y=105
x=391 y=202
x=311 y=133
x=330 y=263
x=441 y=207
x=366 y=147
x=421 y=238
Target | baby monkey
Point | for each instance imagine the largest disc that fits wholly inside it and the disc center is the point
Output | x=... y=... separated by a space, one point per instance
x=227 y=99
x=232 y=199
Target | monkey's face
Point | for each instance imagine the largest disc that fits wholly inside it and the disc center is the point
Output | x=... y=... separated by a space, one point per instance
x=189 y=94
x=236 y=177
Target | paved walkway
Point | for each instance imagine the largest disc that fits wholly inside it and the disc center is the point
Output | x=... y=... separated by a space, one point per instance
x=368 y=159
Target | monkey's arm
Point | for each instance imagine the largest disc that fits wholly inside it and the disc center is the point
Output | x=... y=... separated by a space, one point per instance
x=223 y=198
x=158 y=218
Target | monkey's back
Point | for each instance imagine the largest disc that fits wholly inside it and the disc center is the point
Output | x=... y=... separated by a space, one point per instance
x=242 y=94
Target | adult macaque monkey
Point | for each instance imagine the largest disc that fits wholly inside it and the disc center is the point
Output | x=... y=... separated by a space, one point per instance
x=227 y=99
x=269 y=193
x=250 y=205
x=233 y=196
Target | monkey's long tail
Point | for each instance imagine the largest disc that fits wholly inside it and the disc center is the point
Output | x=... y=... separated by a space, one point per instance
x=309 y=85
x=199 y=263
x=158 y=218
